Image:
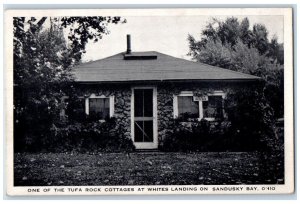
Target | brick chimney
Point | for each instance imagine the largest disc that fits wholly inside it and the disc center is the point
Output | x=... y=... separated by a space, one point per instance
x=128 y=51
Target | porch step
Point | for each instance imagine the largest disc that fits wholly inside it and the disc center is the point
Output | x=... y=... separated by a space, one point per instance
x=147 y=150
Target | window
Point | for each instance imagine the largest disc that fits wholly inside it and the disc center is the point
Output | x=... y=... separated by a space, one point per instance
x=99 y=107
x=213 y=107
x=96 y=107
x=187 y=107
x=210 y=107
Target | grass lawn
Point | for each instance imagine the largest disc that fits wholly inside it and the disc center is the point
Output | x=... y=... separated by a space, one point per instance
x=150 y=168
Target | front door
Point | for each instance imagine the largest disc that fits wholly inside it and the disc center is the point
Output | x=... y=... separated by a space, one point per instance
x=144 y=120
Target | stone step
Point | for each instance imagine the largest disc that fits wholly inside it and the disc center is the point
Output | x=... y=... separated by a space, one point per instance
x=147 y=150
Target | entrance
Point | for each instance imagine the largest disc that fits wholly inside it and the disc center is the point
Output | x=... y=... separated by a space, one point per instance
x=144 y=117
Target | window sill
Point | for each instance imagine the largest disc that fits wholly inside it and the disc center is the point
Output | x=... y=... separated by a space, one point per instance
x=198 y=119
x=209 y=119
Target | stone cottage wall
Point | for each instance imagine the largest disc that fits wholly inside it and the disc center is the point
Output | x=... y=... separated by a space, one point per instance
x=122 y=103
x=165 y=97
x=165 y=93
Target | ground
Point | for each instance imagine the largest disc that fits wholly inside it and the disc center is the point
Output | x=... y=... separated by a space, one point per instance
x=145 y=168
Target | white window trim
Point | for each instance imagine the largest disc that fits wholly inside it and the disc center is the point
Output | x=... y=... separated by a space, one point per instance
x=175 y=101
x=215 y=93
x=190 y=93
x=111 y=104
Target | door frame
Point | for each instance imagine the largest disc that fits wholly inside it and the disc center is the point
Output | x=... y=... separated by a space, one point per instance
x=145 y=145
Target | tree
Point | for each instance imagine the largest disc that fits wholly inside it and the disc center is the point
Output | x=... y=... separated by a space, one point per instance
x=246 y=34
x=42 y=70
x=214 y=53
x=275 y=51
x=261 y=41
x=229 y=31
x=232 y=45
x=245 y=59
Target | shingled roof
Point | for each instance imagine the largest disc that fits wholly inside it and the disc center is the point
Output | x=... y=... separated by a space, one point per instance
x=152 y=66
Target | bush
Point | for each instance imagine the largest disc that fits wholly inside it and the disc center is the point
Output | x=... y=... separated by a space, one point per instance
x=249 y=126
x=204 y=135
x=198 y=136
x=252 y=119
x=89 y=136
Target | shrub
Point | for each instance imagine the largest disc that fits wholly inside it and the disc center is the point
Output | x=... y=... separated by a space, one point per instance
x=249 y=126
x=252 y=119
x=89 y=136
x=197 y=136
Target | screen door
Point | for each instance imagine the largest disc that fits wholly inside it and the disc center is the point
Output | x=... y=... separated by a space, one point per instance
x=144 y=136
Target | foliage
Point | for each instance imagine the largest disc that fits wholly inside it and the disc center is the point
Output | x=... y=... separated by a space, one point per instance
x=43 y=60
x=89 y=137
x=233 y=45
x=276 y=52
x=205 y=136
x=215 y=54
x=245 y=59
x=231 y=31
x=252 y=119
x=82 y=137
x=248 y=126
x=197 y=136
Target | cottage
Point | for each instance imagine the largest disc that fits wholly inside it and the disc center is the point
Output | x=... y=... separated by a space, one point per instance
x=145 y=91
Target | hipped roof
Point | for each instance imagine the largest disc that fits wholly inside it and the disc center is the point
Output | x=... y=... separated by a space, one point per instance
x=163 y=68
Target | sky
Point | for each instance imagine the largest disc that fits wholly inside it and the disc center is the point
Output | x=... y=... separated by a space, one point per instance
x=166 y=34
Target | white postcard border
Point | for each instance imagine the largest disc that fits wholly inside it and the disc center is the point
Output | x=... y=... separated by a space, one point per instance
x=286 y=188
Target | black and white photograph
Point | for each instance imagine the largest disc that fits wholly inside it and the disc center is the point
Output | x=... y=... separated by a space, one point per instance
x=170 y=101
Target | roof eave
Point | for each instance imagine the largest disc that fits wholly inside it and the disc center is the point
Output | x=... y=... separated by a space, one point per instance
x=174 y=81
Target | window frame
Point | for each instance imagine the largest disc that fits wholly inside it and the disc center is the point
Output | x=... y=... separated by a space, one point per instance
x=111 y=103
x=175 y=102
x=200 y=102
x=215 y=93
x=86 y=104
